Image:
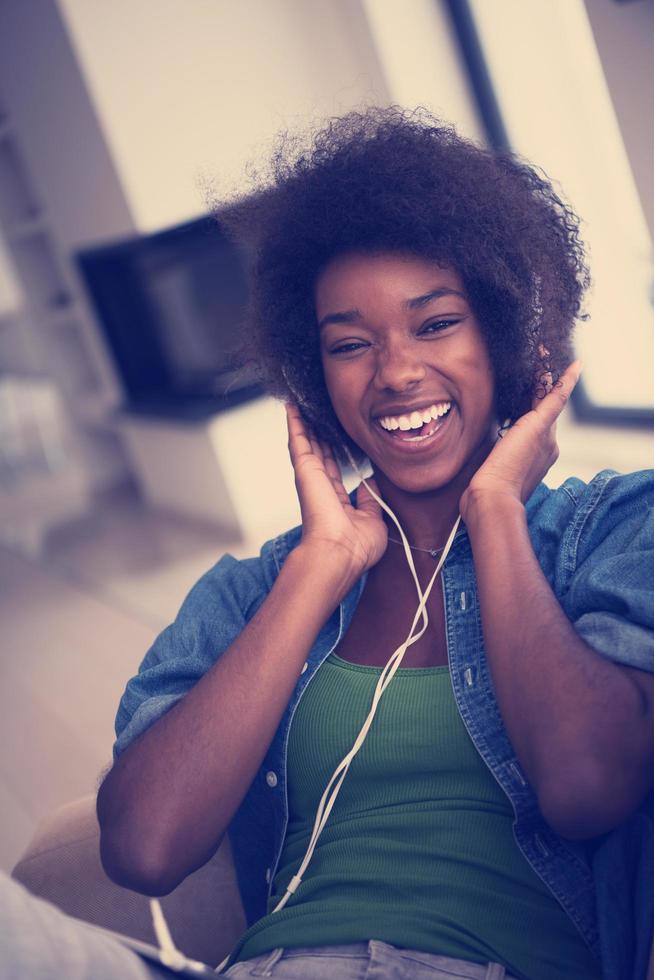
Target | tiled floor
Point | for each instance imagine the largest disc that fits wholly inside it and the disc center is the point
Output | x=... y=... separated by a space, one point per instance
x=75 y=625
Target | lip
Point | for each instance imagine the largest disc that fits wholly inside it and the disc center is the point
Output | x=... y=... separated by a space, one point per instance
x=404 y=448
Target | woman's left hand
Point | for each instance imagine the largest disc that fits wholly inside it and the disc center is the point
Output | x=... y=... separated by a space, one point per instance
x=520 y=460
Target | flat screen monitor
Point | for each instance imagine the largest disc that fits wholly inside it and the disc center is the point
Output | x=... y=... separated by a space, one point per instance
x=171 y=306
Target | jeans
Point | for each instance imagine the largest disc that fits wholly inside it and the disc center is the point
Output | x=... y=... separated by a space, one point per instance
x=39 y=942
x=372 y=960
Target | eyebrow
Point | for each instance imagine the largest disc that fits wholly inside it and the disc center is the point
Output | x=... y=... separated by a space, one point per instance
x=352 y=316
x=349 y=316
x=418 y=301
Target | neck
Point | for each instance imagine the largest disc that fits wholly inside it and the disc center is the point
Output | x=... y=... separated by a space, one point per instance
x=426 y=518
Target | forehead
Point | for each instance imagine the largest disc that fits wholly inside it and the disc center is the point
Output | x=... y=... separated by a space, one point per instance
x=356 y=280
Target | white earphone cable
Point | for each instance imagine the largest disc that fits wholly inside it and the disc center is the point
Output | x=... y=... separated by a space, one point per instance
x=336 y=781
x=327 y=802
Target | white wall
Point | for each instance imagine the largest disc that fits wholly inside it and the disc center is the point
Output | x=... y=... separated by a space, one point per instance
x=624 y=34
x=11 y=295
x=420 y=60
x=193 y=90
x=556 y=103
x=57 y=129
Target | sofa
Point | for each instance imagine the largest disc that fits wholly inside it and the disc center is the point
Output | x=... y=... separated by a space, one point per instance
x=205 y=914
x=62 y=865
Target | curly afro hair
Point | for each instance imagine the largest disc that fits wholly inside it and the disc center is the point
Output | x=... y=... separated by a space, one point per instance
x=388 y=180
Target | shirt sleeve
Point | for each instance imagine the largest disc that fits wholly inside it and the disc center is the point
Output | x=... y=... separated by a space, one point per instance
x=610 y=598
x=211 y=617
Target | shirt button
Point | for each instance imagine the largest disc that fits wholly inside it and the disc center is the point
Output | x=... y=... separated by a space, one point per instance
x=268 y=875
x=304 y=668
x=271 y=778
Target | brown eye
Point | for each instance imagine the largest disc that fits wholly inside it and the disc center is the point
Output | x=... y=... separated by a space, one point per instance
x=347 y=348
x=435 y=326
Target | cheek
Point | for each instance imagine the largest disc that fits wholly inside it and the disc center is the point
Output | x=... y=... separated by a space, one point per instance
x=338 y=386
x=344 y=402
x=335 y=396
x=332 y=387
x=477 y=369
x=342 y=407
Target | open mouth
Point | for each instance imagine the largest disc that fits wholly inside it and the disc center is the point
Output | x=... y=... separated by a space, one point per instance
x=417 y=426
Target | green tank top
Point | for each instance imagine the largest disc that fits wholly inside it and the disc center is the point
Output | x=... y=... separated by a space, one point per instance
x=418 y=850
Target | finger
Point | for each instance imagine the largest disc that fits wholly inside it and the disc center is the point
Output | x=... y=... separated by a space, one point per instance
x=550 y=407
x=543 y=387
x=544 y=378
x=298 y=428
x=316 y=447
x=334 y=473
x=365 y=500
x=328 y=456
x=294 y=420
x=331 y=464
x=299 y=443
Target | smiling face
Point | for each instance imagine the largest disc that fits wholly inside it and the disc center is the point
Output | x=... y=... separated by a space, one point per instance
x=406 y=368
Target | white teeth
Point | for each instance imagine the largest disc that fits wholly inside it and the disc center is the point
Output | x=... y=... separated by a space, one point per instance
x=415 y=419
x=437 y=411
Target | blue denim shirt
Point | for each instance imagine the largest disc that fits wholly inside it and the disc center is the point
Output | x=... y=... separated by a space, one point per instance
x=595 y=544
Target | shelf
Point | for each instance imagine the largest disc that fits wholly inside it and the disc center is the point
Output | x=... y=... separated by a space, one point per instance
x=51 y=336
x=40 y=270
x=57 y=315
x=70 y=360
x=18 y=201
x=18 y=352
x=21 y=230
x=96 y=411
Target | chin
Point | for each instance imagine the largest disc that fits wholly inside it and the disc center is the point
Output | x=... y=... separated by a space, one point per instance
x=420 y=480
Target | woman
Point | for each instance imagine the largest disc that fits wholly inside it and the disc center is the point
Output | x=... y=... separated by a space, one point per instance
x=401 y=270
x=413 y=300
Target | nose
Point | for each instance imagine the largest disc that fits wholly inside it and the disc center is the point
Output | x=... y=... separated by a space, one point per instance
x=399 y=366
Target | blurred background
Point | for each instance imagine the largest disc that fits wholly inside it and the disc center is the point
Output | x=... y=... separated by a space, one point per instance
x=133 y=450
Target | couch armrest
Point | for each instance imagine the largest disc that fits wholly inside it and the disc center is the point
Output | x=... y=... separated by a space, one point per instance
x=62 y=864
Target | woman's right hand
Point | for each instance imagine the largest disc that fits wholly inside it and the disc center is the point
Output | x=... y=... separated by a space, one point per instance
x=210 y=745
x=356 y=536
